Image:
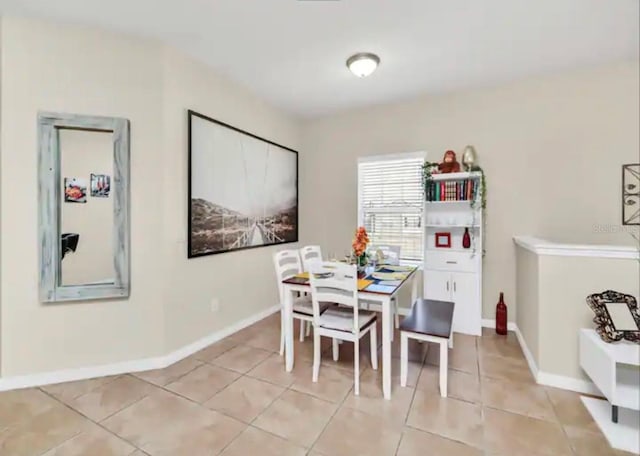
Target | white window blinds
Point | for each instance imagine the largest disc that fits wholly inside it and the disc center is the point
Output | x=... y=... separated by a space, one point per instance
x=390 y=200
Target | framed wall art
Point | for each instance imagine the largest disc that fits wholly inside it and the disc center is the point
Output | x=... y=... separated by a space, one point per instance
x=243 y=189
x=631 y=194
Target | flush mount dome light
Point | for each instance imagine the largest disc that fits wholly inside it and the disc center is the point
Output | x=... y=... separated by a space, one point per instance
x=363 y=64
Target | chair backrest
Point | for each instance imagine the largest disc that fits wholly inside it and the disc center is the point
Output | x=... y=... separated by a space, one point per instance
x=309 y=254
x=391 y=253
x=334 y=283
x=287 y=263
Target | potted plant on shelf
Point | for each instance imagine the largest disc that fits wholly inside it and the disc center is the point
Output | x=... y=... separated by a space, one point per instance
x=359 y=244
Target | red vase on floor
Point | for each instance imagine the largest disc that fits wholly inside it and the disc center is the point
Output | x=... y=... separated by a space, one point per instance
x=501 y=316
x=466 y=239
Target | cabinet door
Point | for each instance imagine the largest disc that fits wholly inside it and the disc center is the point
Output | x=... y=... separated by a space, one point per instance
x=437 y=285
x=467 y=315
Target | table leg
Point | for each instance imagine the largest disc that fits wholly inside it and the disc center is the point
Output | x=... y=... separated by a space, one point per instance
x=387 y=321
x=288 y=326
x=614 y=413
x=414 y=289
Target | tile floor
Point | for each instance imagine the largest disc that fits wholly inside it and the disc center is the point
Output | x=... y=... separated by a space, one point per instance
x=234 y=398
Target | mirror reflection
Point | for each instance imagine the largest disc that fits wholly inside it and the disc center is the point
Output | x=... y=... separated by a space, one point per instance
x=86 y=207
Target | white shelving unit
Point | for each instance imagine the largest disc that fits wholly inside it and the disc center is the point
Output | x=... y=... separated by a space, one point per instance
x=455 y=273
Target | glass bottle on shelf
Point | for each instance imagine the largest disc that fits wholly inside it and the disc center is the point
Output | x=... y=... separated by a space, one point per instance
x=466 y=239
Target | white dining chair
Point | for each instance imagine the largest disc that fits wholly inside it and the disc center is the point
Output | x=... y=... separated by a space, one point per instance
x=309 y=254
x=337 y=283
x=391 y=256
x=287 y=263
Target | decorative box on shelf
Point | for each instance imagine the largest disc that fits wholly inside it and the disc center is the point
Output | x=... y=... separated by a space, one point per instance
x=454 y=273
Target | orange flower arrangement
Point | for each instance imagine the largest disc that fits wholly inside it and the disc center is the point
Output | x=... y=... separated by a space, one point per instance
x=360 y=241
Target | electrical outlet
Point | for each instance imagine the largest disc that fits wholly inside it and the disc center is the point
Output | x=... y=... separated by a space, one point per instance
x=215 y=305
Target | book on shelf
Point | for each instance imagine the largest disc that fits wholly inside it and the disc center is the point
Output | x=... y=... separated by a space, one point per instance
x=458 y=190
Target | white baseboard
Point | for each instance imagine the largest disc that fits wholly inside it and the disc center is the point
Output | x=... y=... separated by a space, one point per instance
x=488 y=323
x=158 y=362
x=545 y=378
x=527 y=354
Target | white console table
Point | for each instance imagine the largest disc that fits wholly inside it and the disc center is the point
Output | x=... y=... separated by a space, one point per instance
x=615 y=370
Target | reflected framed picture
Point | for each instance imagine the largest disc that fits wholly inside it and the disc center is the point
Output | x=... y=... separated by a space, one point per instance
x=75 y=190
x=443 y=240
x=243 y=189
x=100 y=185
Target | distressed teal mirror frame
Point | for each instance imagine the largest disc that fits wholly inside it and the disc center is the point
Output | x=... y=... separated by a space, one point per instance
x=49 y=211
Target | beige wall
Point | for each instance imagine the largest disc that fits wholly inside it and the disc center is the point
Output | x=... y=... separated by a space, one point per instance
x=527 y=294
x=83 y=153
x=564 y=283
x=552 y=149
x=88 y=71
x=242 y=282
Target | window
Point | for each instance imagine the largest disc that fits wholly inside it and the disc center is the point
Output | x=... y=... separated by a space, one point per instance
x=390 y=202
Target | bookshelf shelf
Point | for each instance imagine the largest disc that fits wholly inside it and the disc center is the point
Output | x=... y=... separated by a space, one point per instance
x=455 y=176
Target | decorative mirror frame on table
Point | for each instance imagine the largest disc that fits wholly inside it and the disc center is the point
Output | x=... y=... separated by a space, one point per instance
x=609 y=324
x=50 y=199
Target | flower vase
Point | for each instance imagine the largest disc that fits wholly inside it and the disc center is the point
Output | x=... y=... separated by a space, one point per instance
x=362 y=262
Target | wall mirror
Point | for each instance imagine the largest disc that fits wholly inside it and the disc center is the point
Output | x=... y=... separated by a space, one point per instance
x=83 y=186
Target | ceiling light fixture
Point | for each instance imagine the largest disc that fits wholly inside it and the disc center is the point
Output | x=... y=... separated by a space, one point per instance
x=363 y=64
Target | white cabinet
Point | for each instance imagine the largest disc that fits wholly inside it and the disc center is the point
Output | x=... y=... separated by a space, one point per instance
x=454 y=273
x=462 y=288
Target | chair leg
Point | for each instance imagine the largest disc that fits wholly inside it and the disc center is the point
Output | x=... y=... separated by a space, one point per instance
x=281 y=332
x=316 y=355
x=451 y=340
x=356 y=367
x=336 y=349
x=404 y=357
x=395 y=311
x=374 y=347
x=308 y=333
x=301 y=330
x=444 y=354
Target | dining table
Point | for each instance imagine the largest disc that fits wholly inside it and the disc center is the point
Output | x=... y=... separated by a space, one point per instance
x=378 y=285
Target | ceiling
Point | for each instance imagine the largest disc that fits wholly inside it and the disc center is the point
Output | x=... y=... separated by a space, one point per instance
x=292 y=53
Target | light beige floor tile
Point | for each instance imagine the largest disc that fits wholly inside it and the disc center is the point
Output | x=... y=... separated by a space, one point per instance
x=448 y=417
x=413 y=372
x=203 y=382
x=351 y=433
x=297 y=417
x=460 y=385
x=111 y=397
x=68 y=391
x=587 y=443
x=266 y=340
x=162 y=377
x=94 y=441
x=241 y=358
x=20 y=406
x=273 y=370
x=333 y=384
x=511 y=434
x=43 y=432
x=164 y=424
x=505 y=368
x=500 y=346
x=523 y=398
x=214 y=350
x=460 y=358
x=416 y=443
x=245 y=399
x=372 y=401
x=570 y=410
x=417 y=351
x=254 y=441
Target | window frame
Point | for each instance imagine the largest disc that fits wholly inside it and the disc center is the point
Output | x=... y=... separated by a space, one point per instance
x=382 y=158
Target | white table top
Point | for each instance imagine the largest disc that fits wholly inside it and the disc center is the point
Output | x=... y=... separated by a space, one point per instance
x=623 y=352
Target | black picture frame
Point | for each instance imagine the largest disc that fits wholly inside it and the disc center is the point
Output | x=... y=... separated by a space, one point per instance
x=631 y=194
x=192 y=251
